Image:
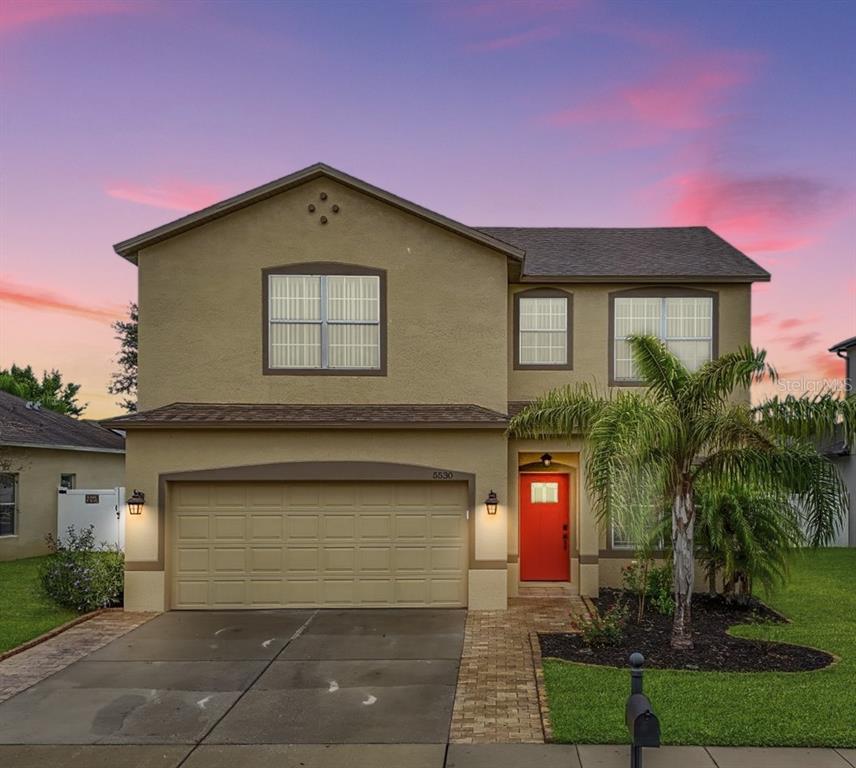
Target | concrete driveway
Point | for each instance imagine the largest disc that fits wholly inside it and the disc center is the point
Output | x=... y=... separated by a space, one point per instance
x=285 y=677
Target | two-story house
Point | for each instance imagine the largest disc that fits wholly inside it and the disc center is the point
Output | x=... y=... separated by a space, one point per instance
x=326 y=373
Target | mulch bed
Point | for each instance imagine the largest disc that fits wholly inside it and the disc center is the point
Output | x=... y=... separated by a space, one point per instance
x=715 y=650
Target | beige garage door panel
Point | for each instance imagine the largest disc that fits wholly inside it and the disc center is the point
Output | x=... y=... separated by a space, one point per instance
x=262 y=545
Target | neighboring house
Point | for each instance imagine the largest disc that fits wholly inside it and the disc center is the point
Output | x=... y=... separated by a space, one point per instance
x=40 y=452
x=842 y=454
x=326 y=373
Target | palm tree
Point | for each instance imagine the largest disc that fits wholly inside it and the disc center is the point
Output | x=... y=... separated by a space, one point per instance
x=649 y=449
x=744 y=537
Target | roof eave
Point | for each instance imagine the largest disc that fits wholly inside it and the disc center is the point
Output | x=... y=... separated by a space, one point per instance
x=291 y=425
x=843 y=345
x=765 y=278
x=129 y=249
x=61 y=447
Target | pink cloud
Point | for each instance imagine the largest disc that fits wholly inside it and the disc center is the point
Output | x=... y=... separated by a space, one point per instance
x=686 y=96
x=23 y=13
x=827 y=365
x=804 y=341
x=35 y=298
x=763 y=213
x=514 y=41
x=762 y=319
x=791 y=322
x=173 y=195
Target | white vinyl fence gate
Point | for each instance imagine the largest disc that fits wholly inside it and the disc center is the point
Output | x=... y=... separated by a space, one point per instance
x=103 y=508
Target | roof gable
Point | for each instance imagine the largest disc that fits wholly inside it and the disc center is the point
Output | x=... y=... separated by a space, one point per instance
x=129 y=249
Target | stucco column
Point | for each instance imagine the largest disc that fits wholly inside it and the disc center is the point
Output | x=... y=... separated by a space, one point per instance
x=589 y=540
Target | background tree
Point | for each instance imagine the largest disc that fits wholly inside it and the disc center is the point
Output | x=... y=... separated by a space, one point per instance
x=124 y=382
x=50 y=391
x=685 y=432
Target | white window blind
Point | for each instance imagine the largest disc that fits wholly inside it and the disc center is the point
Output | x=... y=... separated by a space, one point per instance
x=685 y=324
x=543 y=331
x=324 y=321
x=8 y=503
x=544 y=493
x=620 y=538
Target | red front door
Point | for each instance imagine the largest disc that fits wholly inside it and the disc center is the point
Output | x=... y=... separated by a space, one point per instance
x=545 y=536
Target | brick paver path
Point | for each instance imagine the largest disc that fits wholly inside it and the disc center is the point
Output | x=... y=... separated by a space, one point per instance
x=497 y=698
x=27 y=668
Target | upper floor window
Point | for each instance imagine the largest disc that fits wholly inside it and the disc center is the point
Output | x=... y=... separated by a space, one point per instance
x=543 y=320
x=8 y=504
x=325 y=318
x=685 y=319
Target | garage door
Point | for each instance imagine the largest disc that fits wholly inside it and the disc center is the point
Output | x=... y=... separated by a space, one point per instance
x=264 y=545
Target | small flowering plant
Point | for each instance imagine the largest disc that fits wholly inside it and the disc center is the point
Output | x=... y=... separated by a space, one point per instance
x=80 y=575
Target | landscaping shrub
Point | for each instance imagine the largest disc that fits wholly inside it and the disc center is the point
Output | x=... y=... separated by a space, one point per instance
x=650 y=584
x=79 y=575
x=634 y=578
x=603 y=629
x=659 y=589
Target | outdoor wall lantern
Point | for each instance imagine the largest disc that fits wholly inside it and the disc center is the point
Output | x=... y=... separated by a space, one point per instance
x=135 y=503
x=490 y=503
x=546 y=459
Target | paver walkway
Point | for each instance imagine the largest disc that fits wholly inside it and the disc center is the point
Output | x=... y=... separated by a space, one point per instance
x=497 y=698
x=27 y=668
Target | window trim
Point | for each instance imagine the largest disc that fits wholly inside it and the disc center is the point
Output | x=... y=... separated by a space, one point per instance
x=73 y=476
x=15 y=506
x=658 y=292
x=323 y=268
x=545 y=293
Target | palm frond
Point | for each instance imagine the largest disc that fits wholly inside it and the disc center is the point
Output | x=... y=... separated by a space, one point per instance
x=630 y=461
x=728 y=427
x=717 y=380
x=563 y=411
x=817 y=417
x=660 y=370
x=794 y=473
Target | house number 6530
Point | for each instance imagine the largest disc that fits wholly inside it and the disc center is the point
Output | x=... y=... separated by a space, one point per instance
x=444 y=475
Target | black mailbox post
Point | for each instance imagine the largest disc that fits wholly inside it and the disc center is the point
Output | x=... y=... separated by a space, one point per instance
x=642 y=724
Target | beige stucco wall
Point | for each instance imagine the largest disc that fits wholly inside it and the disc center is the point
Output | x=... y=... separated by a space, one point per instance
x=591 y=333
x=479 y=452
x=201 y=305
x=39 y=471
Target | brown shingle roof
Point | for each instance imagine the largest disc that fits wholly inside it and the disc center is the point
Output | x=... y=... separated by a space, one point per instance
x=21 y=424
x=685 y=253
x=287 y=415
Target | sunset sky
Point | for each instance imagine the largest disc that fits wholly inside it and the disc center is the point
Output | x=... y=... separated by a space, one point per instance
x=116 y=117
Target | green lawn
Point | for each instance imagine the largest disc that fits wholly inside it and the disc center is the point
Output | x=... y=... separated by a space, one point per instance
x=25 y=612
x=760 y=708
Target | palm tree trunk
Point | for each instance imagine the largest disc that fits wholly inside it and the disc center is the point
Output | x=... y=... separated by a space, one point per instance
x=683 y=519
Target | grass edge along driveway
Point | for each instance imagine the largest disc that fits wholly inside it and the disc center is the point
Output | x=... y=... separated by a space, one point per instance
x=808 y=709
x=25 y=611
